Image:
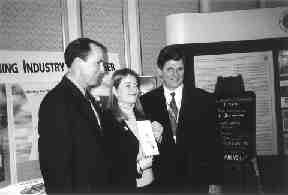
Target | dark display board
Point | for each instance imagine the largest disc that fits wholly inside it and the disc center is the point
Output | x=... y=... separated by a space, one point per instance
x=236 y=122
x=269 y=135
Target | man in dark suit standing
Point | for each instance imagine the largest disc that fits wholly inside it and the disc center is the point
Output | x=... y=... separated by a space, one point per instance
x=70 y=135
x=191 y=159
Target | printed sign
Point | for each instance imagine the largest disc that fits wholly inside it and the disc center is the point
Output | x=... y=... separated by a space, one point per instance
x=236 y=123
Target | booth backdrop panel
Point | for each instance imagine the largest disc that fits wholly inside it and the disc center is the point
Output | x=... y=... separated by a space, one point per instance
x=31 y=25
x=245 y=47
x=152 y=27
x=102 y=20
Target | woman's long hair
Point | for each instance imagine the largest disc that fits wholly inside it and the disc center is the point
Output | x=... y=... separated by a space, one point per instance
x=112 y=103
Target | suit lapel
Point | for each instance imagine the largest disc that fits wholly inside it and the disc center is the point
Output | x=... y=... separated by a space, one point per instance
x=163 y=111
x=89 y=113
x=83 y=105
x=184 y=102
x=189 y=107
x=126 y=129
x=97 y=108
x=163 y=105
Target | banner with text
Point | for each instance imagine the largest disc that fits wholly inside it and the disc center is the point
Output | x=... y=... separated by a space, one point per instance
x=25 y=78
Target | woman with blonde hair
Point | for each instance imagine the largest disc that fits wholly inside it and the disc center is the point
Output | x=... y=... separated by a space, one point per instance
x=131 y=169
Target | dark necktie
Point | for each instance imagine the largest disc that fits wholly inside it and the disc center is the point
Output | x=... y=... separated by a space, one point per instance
x=173 y=105
x=173 y=113
x=93 y=105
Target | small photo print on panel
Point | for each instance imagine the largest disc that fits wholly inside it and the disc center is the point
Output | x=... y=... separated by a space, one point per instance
x=283 y=64
x=147 y=83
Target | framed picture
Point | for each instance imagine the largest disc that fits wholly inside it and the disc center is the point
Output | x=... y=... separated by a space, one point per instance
x=283 y=63
x=147 y=83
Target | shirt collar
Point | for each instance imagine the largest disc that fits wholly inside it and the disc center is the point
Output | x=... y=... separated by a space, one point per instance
x=178 y=95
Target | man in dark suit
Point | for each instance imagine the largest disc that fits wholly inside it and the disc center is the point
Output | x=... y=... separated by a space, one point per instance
x=70 y=135
x=191 y=157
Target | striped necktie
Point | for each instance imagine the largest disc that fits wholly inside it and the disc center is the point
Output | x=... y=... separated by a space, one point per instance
x=173 y=105
x=173 y=113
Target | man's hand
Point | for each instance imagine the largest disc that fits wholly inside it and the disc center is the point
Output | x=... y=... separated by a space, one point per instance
x=157 y=129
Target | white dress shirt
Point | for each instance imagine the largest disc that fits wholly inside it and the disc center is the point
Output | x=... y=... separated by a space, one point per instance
x=178 y=97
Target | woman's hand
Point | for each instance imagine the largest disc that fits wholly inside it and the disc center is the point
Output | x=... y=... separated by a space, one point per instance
x=157 y=129
x=145 y=162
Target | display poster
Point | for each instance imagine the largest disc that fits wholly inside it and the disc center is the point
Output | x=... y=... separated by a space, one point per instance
x=103 y=89
x=283 y=77
x=25 y=78
x=236 y=124
x=26 y=101
x=4 y=144
x=284 y=104
x=256 y=69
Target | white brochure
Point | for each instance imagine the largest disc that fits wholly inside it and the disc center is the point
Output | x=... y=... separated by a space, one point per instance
x=147 y=139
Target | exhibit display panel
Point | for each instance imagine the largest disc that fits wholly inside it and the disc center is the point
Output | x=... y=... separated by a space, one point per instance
x=231 y=43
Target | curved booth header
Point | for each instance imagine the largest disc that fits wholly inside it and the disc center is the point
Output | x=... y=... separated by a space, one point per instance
x=227 y=26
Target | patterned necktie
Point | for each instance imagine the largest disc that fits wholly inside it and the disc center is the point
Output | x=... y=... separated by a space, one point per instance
x=173 y=105
x=173 y=113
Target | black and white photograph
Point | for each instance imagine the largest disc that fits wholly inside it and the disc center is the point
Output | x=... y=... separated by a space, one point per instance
x=121 y=96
